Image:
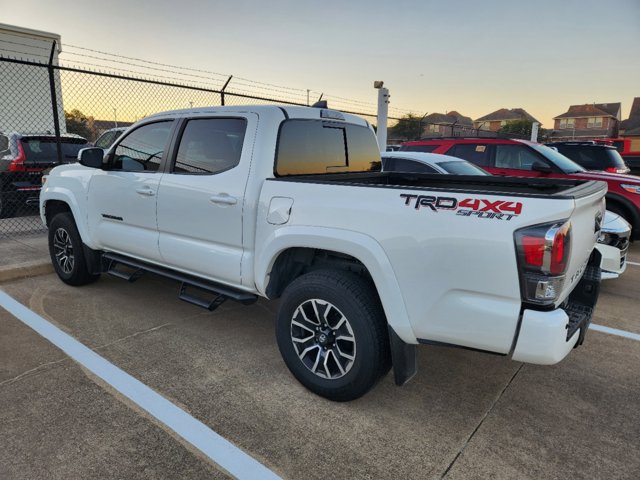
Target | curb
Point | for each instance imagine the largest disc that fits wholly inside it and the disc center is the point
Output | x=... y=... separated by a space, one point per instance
x=26 y=269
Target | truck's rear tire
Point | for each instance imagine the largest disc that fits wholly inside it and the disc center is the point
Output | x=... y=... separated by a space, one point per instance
x=67 y=254
x=332 y=334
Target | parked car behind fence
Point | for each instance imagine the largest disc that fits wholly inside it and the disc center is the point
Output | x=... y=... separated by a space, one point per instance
x=23 y=158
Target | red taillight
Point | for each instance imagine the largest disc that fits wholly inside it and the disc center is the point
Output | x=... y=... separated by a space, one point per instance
x=560 y=250
x=543 y=255
x=533 y=249
x=616 y=170
x=545 y=248
x=17 y=164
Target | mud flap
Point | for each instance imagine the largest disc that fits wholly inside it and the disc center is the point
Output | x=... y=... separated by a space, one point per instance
x=403 y=358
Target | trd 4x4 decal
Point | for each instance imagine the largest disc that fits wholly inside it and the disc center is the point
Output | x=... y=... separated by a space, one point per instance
x=476 y=207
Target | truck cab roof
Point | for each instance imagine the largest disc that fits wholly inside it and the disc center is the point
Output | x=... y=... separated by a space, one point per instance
x=286 y=111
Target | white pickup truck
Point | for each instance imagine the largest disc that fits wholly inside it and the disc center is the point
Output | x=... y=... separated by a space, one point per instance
x=289 y=203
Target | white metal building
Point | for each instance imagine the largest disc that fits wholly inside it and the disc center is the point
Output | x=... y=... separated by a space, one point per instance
x=25 y=90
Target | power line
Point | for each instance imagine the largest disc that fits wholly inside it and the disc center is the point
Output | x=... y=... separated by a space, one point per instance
x=284 y=93
x=182 y=68
x=263 y=85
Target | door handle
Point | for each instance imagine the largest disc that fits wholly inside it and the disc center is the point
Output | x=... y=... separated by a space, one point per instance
x=223 y=199
x=146 y=192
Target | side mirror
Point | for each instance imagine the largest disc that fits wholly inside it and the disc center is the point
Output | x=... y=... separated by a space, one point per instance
x=541 y=167
x=91 y=157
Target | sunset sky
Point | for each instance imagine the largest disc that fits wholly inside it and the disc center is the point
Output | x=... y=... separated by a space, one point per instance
x=434 y=56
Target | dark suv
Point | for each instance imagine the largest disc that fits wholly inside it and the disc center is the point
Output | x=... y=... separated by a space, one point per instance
x=521 y=158
x=592 y=156
x=23 y=158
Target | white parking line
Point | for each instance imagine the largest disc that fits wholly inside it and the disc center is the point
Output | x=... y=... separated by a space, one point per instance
x=615 y=331
x=633 y=263
x=222 y=452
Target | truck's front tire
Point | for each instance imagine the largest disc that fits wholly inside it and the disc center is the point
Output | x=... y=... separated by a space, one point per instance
x=332 y=334
x=67 y=254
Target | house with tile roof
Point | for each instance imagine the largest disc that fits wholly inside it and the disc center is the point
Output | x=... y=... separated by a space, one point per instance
x=446 y=124
x=587 y=121
x=498 y=119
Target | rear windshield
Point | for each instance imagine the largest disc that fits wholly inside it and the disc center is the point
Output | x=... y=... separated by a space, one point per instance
x=314 y=146
x=418 y=148
x=43 y=150
x=461 y=168
x=594 y=158
x=619 y=145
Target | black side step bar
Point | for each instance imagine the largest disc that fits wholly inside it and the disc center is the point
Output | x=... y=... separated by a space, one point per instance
x=111 y=262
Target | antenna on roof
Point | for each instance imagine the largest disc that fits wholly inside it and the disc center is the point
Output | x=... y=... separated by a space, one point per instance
x=320 y=104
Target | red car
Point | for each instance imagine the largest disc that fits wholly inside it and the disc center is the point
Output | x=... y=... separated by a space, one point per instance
x=520 y=158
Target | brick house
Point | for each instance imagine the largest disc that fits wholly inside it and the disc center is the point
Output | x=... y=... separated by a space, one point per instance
x=498 y=119
x=446 y=124
x=583 y=122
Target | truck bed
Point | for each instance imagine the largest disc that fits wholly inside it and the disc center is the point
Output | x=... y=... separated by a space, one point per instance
x=513 y=186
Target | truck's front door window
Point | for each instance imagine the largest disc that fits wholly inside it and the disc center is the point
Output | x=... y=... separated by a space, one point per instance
x=142 y=150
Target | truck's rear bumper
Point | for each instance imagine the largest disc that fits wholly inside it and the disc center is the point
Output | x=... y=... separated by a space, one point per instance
x=543 y=337
x=546 y=337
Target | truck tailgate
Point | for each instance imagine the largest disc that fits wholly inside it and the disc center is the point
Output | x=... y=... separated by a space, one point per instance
x=586 y=220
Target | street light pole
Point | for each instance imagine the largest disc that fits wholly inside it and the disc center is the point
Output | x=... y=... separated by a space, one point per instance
x=383 y=114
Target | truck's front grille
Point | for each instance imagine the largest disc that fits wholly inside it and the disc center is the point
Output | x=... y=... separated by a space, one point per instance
x=620 y=242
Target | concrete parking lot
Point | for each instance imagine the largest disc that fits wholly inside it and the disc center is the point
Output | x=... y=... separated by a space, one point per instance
x=465 y=415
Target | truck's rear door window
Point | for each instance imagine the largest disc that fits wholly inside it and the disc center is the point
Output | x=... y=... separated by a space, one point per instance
x=210 y=145
x=314 y=146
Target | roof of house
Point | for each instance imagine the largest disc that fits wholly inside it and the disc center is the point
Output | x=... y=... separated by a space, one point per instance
x=633 y=122
x=507 y=114
x=448 y=118
x=630 y=122
x=592 y=109
x=635 y=108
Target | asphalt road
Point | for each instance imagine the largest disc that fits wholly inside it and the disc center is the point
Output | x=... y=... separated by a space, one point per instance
x=465 y=415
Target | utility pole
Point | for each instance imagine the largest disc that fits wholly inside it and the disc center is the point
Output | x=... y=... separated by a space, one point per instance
x=383 y=113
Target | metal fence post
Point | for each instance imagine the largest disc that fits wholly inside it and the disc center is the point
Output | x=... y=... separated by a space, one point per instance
x=54 y=102
x=223 y=89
